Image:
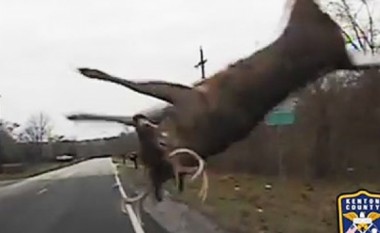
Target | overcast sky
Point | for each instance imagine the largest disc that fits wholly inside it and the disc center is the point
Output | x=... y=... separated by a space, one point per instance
x=43 y=41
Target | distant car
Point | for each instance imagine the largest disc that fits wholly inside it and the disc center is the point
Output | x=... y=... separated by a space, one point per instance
x=64 y=157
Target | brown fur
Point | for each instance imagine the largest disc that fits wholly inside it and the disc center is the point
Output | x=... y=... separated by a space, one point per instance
x=240 y=96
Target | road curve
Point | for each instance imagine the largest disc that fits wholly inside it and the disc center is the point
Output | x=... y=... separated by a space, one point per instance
x=76 y=199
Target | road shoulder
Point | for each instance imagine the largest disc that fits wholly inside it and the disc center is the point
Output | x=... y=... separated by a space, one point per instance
x=174 y=216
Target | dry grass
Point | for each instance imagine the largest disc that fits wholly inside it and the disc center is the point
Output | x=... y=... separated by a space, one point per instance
x=134 y=177
x=290 y=206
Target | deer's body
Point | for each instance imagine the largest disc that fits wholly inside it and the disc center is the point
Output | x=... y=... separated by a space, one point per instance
x=228 y=105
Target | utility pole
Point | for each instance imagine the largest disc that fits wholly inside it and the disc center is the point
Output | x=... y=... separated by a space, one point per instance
x=201 y=63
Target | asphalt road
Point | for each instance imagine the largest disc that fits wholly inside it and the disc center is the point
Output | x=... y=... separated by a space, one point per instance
x=76 y=199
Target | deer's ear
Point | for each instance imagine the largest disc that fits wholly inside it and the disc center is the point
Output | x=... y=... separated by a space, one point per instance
x=94 y=117
x=170 y=92
x=142 y=120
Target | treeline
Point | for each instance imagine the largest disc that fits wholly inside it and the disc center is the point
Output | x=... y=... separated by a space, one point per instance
x=35 y=141
x=12 y=151
x=336 y=134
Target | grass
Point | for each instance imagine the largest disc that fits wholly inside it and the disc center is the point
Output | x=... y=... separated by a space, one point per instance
x=35 y=169
x=290 y=206
x=117 y=159
x=135 y=177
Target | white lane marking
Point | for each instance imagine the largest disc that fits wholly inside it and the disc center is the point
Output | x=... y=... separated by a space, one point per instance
x=132 y=215
x=42 y=191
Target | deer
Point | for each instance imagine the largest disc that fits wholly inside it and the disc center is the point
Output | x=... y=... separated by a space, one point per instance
x=206 y=118
x=149 y=154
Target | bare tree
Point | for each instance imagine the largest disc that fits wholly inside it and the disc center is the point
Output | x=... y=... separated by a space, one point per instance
x=357 y=22
x=1 y=148
x=38 y=129
x=9 y=151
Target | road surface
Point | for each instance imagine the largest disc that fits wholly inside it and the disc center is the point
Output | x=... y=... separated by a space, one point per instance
x=75 y=199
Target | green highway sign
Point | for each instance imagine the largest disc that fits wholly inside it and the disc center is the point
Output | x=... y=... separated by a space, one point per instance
x=283 y=113
x=280 y=117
